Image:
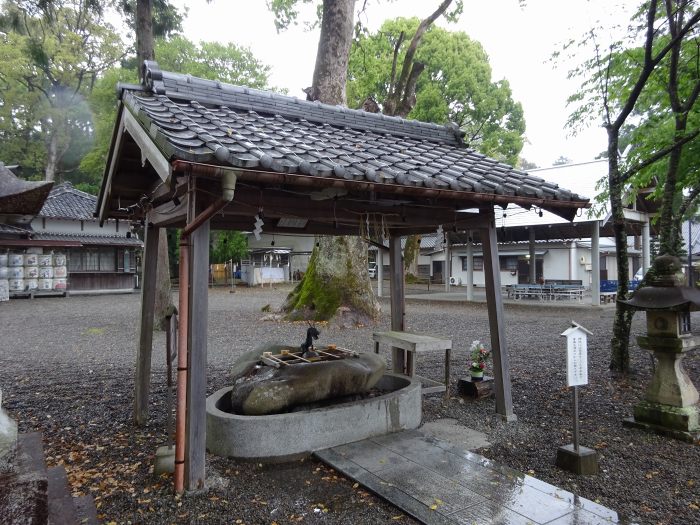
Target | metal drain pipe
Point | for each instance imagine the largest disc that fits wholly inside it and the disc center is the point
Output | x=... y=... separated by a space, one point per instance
x=228 y=186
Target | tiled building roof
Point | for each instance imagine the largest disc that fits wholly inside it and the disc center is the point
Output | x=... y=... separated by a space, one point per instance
x=66 y=202
x=21 y=197
x=14 y=230
x=210 y=122
x=87 y=239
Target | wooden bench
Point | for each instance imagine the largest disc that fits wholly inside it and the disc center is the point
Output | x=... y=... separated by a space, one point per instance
x=416 y=344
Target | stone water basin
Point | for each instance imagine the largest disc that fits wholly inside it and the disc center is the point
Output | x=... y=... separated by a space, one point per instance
x=282 y=437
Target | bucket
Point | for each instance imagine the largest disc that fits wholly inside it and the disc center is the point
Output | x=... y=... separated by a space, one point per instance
x=15 y=259
x=59 y=259
x=31 y=284
x=31 y=272
x=31 y=259
x=60 y=271
x=46 y=272
x=45 y=284
x=16 y=285
x=60 y=284
x=15 y=272
x=45 y=260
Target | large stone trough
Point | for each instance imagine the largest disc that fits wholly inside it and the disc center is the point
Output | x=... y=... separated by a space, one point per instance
x=281 y=437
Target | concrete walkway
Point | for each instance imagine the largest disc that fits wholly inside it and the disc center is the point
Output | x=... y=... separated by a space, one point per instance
x=437 y=482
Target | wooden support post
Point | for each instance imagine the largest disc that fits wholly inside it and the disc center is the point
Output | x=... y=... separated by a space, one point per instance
x=195 y=447
x=148 y=299
x=533 y=257
x=470 y=267
x=380 y=272
x=396 y=284
x=494 y=303
x=595 y=264
x=646 y=246
x=448 y=262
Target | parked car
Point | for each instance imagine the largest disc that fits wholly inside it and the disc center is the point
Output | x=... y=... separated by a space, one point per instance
x=372 y=270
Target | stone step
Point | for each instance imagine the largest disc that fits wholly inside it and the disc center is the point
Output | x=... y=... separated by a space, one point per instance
x=87 y=512
x=23 y=493
x=60 y=500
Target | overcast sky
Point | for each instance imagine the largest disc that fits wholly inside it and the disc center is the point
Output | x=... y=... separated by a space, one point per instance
x=519 y=42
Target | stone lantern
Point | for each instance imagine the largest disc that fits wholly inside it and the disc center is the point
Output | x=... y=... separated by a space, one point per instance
x=670 y=405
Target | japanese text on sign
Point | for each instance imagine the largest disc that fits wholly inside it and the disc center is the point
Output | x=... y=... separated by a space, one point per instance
x=577 y=361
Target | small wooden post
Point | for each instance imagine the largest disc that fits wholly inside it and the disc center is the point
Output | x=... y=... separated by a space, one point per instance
x=396 y=283
x=148 y=298
x=574 y=457
x=494 y=303
x=195 y=447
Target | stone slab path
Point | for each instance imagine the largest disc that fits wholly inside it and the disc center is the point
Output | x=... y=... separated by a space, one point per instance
x=437 y=482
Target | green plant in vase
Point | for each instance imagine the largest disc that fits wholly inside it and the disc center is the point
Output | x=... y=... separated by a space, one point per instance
x=478 y=356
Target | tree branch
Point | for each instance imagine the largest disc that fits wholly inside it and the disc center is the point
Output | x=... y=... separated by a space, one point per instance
x=400 y=87
x=689 y=200
x=650 y=61
x=628 y=174
x=393 y=63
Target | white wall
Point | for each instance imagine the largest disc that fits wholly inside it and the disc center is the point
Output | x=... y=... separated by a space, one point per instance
x=74 y=226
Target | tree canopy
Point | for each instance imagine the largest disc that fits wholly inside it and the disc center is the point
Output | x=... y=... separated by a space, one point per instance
x=53 y=53
x=212 y=60
x=455 y=84
x=631 y=84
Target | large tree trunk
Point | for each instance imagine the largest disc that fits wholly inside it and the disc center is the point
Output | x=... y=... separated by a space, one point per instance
x=337 y=277
x=145 y=49
x=52 y=156
x=337 y=274
x=331 y=70
x=619 y=344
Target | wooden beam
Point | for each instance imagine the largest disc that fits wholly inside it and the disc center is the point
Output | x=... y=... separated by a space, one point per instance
x=116 y=152
x=149 y=150
x=494 y=302
x=396 y=283
x=195 y=447
x=148 y=298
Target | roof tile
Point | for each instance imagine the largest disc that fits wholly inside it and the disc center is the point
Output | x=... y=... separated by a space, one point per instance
x=204 y=121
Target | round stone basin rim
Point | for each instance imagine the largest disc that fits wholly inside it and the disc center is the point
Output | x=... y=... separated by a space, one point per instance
x=281 y=437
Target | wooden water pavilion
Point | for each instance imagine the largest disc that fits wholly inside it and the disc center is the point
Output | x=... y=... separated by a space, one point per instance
x=199 y=154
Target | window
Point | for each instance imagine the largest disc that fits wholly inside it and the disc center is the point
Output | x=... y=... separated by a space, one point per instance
x=101 y=260
x=107 y=263
x=508 y=263
x=478 y=264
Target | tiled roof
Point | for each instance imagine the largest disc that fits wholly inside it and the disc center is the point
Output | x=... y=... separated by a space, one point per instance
x=89 y=239
x=14 y=230
x=210 y=122
x=66 y=202
x=21 y=197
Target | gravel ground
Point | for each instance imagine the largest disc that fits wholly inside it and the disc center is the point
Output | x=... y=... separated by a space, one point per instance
x=66 y=368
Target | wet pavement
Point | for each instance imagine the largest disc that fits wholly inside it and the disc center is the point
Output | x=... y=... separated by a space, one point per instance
x=437 y=482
